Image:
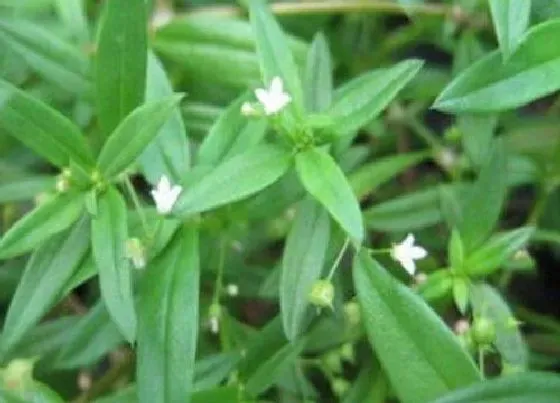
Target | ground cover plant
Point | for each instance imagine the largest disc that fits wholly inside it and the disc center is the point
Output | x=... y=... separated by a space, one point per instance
x=300 y=201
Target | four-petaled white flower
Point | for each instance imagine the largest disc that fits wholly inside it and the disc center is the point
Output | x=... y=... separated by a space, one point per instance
x=273 y=99
x=406 y=253
x=165 y=195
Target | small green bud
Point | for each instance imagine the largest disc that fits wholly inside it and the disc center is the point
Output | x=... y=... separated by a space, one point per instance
x=332 y=361
x=214 y=314
x=353 y=313
x=347 y=352
x=96 y=177
x=17 y=374
x=136 y=253
x=483 y=331
x=340 y=386
x=322 y=294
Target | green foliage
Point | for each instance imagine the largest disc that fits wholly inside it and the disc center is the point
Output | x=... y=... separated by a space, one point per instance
x=278 y=201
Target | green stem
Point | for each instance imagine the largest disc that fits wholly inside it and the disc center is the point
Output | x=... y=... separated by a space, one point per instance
x=481 y=361
x=220 y=275
x=338 y=259
x=137 y=205
x=424 y=133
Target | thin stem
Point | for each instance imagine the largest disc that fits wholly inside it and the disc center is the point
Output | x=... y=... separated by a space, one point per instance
x=481 y=361
x=379 y=251
x=423 y=132
x=220 y=275
x=338 y=259
x=337 y=7
x=137 y=205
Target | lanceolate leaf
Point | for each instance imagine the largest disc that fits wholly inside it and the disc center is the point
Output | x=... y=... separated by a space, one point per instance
x=511 y=19
x=52 y=58
x=168 y=322
x=132 y=136
x=231 y=133
x=324 y=180
x=109 y=233
x=418 y=352
x=44 y=279
x=491 y=84
x=120 y=71
x=41 y=128
x=302 y=263
x=168 y=153
x=359 y=101
x=275 y=56
x=518 y=388
x=318 y=86
x=40 y=224
x=235 y=179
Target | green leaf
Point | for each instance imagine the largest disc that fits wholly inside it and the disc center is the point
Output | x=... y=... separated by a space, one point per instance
x=370 y=176
x=120 y=65
x=73 y=15
x=318 y=85
x=212 y=370
x=488 y=303
x=494 y=252
x=109 y=233
x=324 y=180
x=32 y=392
x=51 y=57
x=359 y=101
x=40 y=224
x=168 y=153
x=231 y=134
x=275 y=56
x=43 y=280
x=437 y=285
x=519 y=388
x=91 y=338
x=41 y=128
x=483 y=203
x=490 y=84
x=25 y=188
x=235 y=179
x=420 y=355
x=477 y=132
x=133 y=134
x=168 y=322
x=511 y=19
x=456 y=250
x=302 y=264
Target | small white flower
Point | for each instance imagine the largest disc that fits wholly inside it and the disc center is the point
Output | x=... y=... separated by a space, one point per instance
x=406 y=253
x=232 y=290
x=214 y=324
x=273 y=99
x=247 y=109
x=165 y=195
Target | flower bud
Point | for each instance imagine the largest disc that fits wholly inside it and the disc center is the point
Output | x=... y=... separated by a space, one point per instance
x=353 y=313
x=483 y=331
x=347 y=352
x=340 y=386
x=322 y=294
x=332 y=361
x=232 y=290
x=214 y=314
x=136 y=253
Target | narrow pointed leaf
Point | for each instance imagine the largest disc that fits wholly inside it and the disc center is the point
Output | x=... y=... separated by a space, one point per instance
x=43 y=281
x=519 y=388
x=41 y=128
x=120 y=64
x=302 y=264
x=47 y=54
x=132 y=136
x=275 y=56
x=359 y=101
x=235 y=179
x=168 y=322
x=511 y=19
x=168 y=153
x=40 y=224
x=318 y=85
x=420 y=355
x=231 y=134
x=491 y=84
x=324 y=180
x=109 y=233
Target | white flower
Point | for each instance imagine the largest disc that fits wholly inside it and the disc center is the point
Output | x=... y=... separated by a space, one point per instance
x=273 y=99
x=136 y=253
x=165 y=195
x=247 y=109
x=232 y=290
x=406 y=253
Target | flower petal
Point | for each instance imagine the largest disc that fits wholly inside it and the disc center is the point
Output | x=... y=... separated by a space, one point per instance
x=263 y=96
x=418 y=252
x=408 y=241
x=276 y=86
x=409 y=266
